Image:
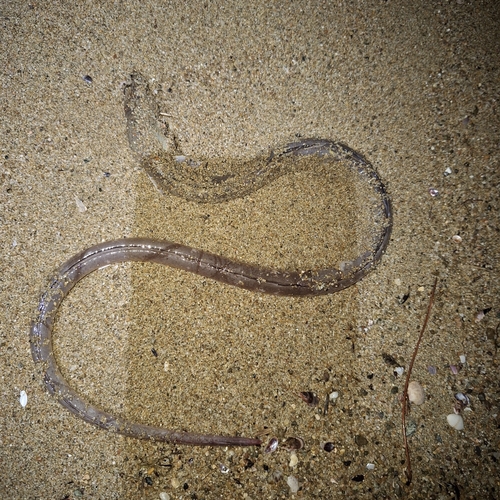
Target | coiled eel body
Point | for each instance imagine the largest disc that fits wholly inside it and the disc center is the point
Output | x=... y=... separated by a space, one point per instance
x=144 y=135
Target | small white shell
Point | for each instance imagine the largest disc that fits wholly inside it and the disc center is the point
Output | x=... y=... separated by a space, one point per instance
x=23 y=398
x=457 y=238
x=333 y=396
x=293 y=484
x=456 y=421
x=463 y=359
x=398 y=371
x=416 y=394
x=164 y=496
x=293 y=460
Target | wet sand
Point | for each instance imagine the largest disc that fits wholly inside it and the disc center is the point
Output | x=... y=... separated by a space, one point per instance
x=414 y=88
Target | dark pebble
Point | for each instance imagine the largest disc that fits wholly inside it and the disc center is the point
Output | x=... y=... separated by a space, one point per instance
x=328 y=447
x=360 y=440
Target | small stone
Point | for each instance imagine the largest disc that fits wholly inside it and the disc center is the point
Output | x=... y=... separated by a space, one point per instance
x=333 y=396
x=360 y=440
x=416 y=394
x=293 y=460
x=411 y=428
x=175 y=483
x=224 y=469
x=328 y=447
x=164 y=496
x=293 y=484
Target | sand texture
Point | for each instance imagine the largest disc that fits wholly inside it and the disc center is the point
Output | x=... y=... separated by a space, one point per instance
x=413 y=86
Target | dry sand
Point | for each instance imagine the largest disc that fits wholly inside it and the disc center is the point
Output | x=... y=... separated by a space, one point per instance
x=412 y=85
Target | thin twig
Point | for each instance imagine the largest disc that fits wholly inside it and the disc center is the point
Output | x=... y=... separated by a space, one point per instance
x=405 y=392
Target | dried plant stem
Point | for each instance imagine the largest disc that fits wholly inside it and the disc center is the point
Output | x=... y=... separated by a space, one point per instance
x=405 y=392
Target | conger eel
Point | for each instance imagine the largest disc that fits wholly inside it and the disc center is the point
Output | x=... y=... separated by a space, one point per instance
x=165 y=170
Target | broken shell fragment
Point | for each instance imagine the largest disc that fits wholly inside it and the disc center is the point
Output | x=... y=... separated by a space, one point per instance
x=456 y=421
x=293 y=443
x=271 y=446
x=416 y=394
x=310 y=398
x=461 y=402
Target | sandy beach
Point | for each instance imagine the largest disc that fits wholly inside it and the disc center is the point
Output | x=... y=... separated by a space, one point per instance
x=414 y=87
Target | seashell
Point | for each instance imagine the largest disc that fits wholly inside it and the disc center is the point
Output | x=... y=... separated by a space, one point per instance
x=461 y=402
x=456 y=421
x=416 y=394
x=310 y=398
x=398 y=371
x=456 y=238
x=293 y=443
x=271 y=446
x=23 y=398
x=463 y=398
